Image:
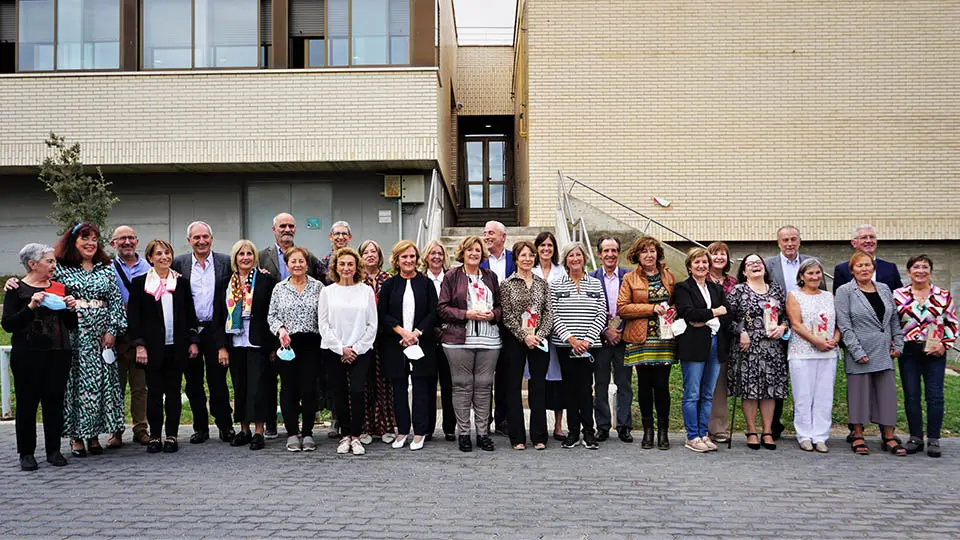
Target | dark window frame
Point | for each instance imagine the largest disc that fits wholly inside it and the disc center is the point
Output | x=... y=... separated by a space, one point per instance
x=56 y=31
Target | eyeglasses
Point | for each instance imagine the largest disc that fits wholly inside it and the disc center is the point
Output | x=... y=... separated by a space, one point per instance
x=124 y=238
x=753 y=263
x=340 y=234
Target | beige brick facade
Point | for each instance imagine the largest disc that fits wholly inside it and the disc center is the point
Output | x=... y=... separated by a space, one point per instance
x=748 y=115
x=486 y=76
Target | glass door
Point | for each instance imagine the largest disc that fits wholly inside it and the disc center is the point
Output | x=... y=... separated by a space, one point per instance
x=486 y=175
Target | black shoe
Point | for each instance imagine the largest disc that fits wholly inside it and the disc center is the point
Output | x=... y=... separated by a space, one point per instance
x=765 y=444
x=502 y=429
x=199 y=437
x=624 y=434
x=270 y=432
x=241 y=439
x=227 y=435
x=56 y=459
x=589 y=441
x=94 y=447
x=170 y=446
x=647 y=441
x=850 y=437
x=428 y=437
x=914 y=445
x=603 y=434
x=465 y=444
x=450 y=437
x=28 y=463
x=154 y=446
x=559 y=436
x=77 y=452
x=484 y=442
x=750 y=445
x=570 y=441
x=257 y=442
x=777 y=430
x=663 y=436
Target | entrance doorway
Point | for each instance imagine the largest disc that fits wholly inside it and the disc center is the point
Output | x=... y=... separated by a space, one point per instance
x=486 y=168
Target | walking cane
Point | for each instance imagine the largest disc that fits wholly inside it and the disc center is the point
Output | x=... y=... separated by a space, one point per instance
x=733 y=422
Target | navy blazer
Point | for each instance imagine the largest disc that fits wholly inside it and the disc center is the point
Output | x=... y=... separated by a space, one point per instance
x=260 y=335
x=145 y=325
x=511 y=267
x=183 y=265
x=887 y=274
x=693 y=345
x=390 y=309
x=599 y=273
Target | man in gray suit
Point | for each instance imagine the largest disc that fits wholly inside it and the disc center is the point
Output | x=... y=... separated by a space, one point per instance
x=783 y=268
x=205 y=270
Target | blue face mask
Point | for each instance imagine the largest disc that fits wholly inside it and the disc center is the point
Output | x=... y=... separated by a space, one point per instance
x=53 y=302
x=286 y=354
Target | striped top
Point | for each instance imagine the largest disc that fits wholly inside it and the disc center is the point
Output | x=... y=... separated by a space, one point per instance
x=917 y=319
x=480 y=334
x=580 y=314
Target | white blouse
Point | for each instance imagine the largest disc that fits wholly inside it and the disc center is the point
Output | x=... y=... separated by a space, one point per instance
x=347 y=317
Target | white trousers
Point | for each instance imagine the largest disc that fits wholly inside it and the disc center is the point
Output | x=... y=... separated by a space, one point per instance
x=812 y=382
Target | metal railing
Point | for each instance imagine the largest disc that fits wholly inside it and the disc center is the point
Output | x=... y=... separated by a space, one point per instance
x=5 y=386
x=568 y=227
x=429 y=227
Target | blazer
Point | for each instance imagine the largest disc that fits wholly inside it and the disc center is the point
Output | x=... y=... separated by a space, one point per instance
x=887 y=274
x=145 y=324
x=775 y=269
x=390 y=312
x=693 y=345
x=270 y=261
x=452 y=303
x=633 y=291
x=599 y=273
x=183 y=265
x=511 y=267
x=260 y=335
x=863 y=333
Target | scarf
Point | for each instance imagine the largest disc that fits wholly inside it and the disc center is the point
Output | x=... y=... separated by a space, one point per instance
x=239 y=301
x=156 y=287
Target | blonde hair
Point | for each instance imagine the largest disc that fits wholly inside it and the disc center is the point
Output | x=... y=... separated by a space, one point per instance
x=468 y=243
x=694 y=254
x=568 y=249
x=240 y=244
x=346 y=252
x=424 y=263
x=399 y=248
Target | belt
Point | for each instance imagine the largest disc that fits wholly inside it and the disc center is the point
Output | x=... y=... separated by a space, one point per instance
x=85 y=304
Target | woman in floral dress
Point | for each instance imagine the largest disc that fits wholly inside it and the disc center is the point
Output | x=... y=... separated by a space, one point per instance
x=380 y=417
x=93 y=403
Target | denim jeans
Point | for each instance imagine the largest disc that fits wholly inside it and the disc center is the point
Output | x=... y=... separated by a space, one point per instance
x=914 y=366
x=699 y=380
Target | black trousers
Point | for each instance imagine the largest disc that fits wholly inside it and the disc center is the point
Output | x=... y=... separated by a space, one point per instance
x=577 y=376
x=518 y=355
x=777 y=424
x=653 y=390
x=501 y=403
x=347 y=382
x=40 y=378
x=298 y=377
x=163 y=393
x=424 y=392
x=216 y=381
x=270 y=378
x=449 y=422
x=247 y=368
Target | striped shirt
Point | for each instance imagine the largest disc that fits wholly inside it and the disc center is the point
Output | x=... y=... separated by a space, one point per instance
x=581 y=314
x=480 y=334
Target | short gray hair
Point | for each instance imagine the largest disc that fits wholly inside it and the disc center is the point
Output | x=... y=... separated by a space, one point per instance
x=499 y=226
x=195 y=223
x=278 y=215
x=858 y=228
x=569 y=247
x=787 y=228
x=805 y=265
x=33 y=252
x=343 y=224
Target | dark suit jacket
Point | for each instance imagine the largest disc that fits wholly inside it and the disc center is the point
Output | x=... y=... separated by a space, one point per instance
x=775 y=269
x=887 y=274
x=183 y=265
x=390 y=308
x=511 y=267
x=260 y=335
x=269 y=261
x=693 y=345
x=598 y=273
x=145 y=325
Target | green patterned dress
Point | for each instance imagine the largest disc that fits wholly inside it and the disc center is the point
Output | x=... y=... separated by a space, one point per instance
x=93 y=403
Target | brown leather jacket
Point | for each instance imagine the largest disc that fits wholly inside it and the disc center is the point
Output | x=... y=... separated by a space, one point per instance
x=452 y=304
x=632 y=304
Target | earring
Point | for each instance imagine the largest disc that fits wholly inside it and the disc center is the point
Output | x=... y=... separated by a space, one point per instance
x=800 y=282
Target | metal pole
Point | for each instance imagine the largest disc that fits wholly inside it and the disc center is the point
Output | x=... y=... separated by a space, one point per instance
x=5 y=381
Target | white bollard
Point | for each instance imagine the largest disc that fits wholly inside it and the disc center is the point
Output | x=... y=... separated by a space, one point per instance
x=5 y=380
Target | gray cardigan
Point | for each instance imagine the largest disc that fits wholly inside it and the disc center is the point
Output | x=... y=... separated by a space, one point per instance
x=864 y=334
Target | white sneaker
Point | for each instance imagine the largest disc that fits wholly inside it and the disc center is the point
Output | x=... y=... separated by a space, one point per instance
x=708 y=443
x=414 y=445
x=696 y=445
x=344 y=446
x=401 y=440
x=365 y=438
x=294 y=444
x=357 y=447
x=308 y=444
x=389 y=437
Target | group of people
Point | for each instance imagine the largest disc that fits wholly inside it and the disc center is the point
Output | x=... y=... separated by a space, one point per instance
x=341 y=333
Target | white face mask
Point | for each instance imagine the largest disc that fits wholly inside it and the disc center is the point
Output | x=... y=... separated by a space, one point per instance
x=109 y=356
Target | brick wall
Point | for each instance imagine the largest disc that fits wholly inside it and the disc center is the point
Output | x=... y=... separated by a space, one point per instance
x=486 y=77
x=746 y=115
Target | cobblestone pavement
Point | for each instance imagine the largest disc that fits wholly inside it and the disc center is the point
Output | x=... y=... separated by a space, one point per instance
x=213 y=490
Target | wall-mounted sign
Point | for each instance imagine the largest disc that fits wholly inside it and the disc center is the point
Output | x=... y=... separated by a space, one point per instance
x=386 y=216
x=313 y=223
x=392 y=186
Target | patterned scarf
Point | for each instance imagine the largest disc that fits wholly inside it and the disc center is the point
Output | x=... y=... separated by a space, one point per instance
x=240 y=301
x=156 y=287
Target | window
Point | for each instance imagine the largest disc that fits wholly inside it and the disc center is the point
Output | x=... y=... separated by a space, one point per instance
x=307 y=43
x=184 y=34
x=87 y=34
x=357 y=33
x=382 y=35
x=8 y=36
x=36 y=35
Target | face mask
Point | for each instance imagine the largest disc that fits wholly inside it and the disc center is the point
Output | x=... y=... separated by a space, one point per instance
x=286 y=354
x=53 y=302
x=109 y=356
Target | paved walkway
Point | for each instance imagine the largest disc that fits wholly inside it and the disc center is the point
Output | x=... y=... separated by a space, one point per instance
x=213 y=490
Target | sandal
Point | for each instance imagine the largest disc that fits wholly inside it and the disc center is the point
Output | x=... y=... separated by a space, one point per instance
x=859 y=448
x=540 y=446
x=77 y=448
x=93 y=446
x=770 y=445
x=897 y=449
x=519 y=446
x=750 y=445
x=114 y=441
